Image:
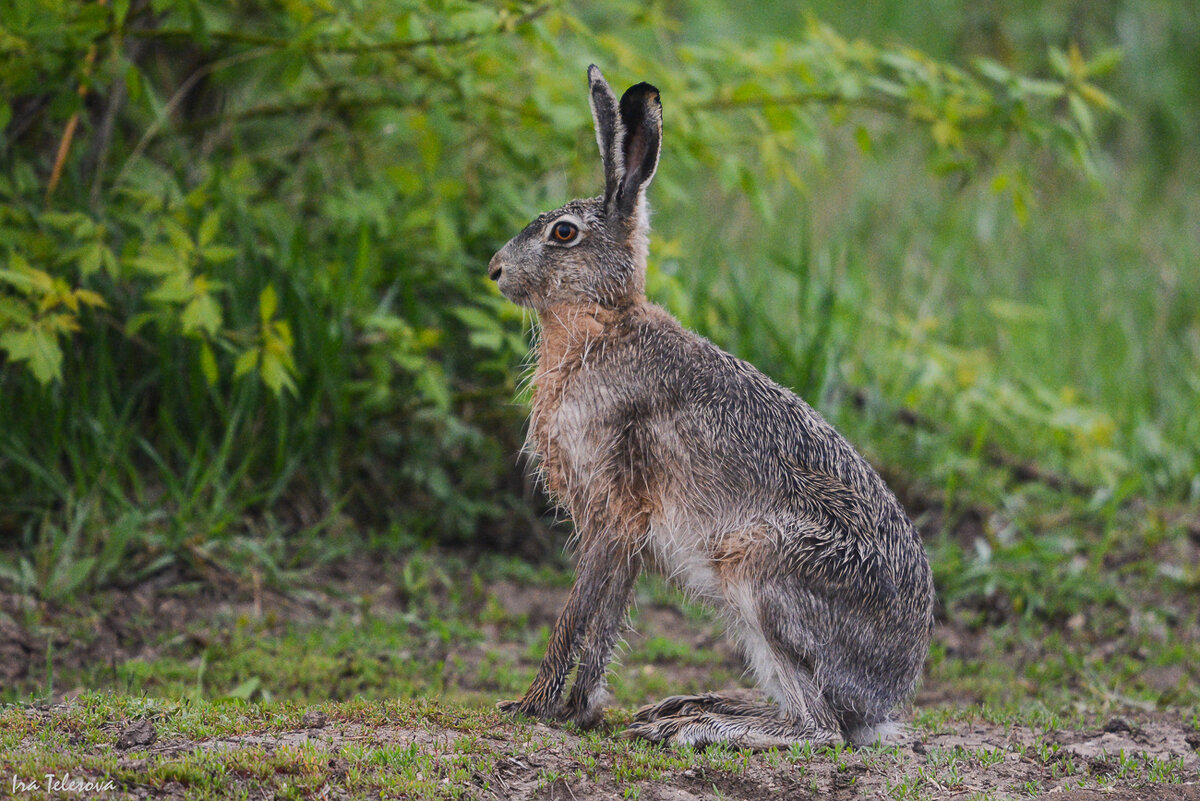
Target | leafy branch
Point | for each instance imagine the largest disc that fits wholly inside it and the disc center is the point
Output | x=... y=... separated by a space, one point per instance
x=507 y=23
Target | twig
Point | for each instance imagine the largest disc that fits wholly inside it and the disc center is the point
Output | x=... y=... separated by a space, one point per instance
x=103 y=140
x=64 y=145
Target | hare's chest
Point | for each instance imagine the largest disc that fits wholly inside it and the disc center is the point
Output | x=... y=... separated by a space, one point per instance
x=571 y=447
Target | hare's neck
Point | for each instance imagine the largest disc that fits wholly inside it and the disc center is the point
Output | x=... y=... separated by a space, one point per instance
x=567 y=331
x=569 y=335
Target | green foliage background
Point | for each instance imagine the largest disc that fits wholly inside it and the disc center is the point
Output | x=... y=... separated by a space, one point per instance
x=248 y=322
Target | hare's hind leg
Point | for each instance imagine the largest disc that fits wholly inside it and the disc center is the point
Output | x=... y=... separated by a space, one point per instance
x=765 y=728
x=740 y=719
x=802 y=713
x=737 y=702
x=740 y=722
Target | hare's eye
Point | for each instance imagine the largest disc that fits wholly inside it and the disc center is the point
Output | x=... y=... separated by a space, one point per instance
x=564 y=231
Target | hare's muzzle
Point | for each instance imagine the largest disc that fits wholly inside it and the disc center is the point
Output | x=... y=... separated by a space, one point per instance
x=495 y=268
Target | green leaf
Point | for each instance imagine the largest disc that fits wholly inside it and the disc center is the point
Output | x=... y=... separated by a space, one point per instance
x=175 y=288
x=476 y=318
x=267 y=303
x=159 y=260
x=246 y=689
x=92 y=258
x=275 y=373
x=219 y=253
x=21 y=280
x=246 y=362
x=110 y=262
x=208 y=229
x=431 y=383
x=137 y=322
x=70 y=575
x=889 y=88
x=1020 y=205
x=208 y=364
x=14 y=311
x=90 y=298
x=994 y=70
x=1097 y=98
x=863 y=138
x=133 y=83
x=38 y=347
x=1040 y=88
x=202 y=314
x=1082 y=115
x=179 y=238
x=1058 y=60
x=1105 y=61
x=198 y=25
x=62 y=221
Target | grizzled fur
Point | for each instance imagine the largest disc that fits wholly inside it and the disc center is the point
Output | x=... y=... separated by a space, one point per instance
x=670 y=454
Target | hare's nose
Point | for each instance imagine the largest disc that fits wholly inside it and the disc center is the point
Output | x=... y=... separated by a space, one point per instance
x=495 y=268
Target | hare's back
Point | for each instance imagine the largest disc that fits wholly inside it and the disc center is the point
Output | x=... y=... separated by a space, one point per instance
x=741 y=426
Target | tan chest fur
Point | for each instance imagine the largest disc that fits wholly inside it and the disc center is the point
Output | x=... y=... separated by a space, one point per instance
x=568 y=334
x=679 y=540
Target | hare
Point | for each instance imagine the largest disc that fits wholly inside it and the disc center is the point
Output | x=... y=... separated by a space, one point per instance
x=669 y=453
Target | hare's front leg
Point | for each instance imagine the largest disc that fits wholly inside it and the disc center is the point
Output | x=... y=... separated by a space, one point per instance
x=595 y=609
x=589 y=693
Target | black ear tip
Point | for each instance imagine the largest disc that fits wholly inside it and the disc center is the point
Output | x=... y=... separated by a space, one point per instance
x=594 y=74
x=640 y=93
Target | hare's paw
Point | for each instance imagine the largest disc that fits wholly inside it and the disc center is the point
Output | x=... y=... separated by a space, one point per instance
x=588 y=712
x=510 y=708
x=522 y=708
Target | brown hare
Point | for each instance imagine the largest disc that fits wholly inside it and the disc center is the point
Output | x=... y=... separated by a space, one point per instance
x=671 y=454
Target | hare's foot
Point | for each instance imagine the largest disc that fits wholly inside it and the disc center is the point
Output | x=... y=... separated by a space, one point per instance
x=884 y=732
x=586 y=710
x=527 y=709
x=737 y=703
x=755 y=731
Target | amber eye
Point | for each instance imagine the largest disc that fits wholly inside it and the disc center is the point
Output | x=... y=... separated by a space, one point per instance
x=564 y=231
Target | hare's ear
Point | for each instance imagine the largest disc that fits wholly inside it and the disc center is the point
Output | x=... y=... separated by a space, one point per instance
x=608 y=128
x=641 y=141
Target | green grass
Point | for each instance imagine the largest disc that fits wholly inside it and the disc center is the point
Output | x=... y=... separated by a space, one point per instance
x=1068 y=342
x=1011 y=647
x=407 y=679
x=438 y=750
x=34 y=746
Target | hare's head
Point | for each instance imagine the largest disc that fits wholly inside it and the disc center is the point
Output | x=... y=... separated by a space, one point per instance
x=593 y=249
